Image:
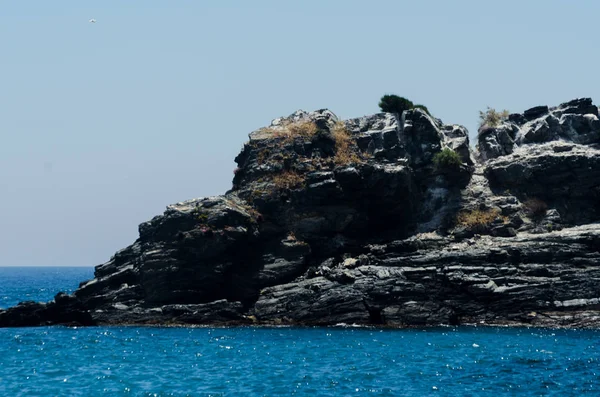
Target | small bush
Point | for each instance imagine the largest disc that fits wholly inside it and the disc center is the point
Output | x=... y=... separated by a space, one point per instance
x=344 y=153
x=288 y=180
x=397 y=104
x=477 y=219
x=394 y=104
x=491 y=117
x=535 y=208
x=447 y=159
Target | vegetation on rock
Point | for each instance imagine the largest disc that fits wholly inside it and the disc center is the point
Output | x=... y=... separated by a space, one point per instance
x=394 y=104
x=398 y=104
x=491 y=117
x=262 y=156
x=288 y=180
x=344 y=151
x=303 y=234
x=290 y=131
x=423 y=108
x=305 y=129
x=447 y=159
x=477 y=219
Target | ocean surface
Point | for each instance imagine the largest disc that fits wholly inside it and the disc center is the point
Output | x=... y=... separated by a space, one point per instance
x=340 y=361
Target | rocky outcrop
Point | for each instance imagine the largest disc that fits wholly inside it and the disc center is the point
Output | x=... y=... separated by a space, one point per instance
x=575 y=121
x=534 y=279
x=550 y=154
x=332 y=221
x=64 y=309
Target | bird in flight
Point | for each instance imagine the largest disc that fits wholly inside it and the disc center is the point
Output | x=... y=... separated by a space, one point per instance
x=92 y=20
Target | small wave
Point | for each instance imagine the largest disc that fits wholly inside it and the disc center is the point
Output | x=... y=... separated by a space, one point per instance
x=354 y=325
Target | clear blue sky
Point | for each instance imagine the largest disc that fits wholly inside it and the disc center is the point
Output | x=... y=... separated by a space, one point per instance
x=102 y=125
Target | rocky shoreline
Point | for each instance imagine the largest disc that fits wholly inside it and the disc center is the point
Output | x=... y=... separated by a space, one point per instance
x=357 y=222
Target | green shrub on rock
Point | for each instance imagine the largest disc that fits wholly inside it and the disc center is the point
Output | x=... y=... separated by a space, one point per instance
x=397 y=104
x=394 y=104
x=447 y=159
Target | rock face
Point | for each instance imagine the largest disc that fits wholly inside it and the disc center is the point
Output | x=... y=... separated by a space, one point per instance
x=356 y=221
x=550 y=154
x=575 y=121
x=539 y=279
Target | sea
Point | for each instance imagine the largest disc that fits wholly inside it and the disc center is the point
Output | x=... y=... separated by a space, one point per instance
x=285 y=361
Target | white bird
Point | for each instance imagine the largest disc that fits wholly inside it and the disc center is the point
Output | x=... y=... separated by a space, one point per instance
x=92 y=20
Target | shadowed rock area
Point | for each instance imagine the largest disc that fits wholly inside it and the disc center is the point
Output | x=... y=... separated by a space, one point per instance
x=359 y=221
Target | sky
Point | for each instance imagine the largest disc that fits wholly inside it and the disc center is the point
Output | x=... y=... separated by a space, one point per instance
x=104 y=124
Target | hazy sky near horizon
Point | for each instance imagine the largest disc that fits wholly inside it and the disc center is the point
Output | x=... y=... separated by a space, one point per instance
x=104 y=124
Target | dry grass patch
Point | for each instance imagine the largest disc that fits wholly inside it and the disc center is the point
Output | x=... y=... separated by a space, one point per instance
x=477 y=218
x=344 y=153
x=305 y=129
x=288 y=180
x=491 y=117
x=291 y=130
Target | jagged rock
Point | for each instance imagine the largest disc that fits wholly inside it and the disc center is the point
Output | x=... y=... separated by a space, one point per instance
x=496 y=141
x=184 y=255
x=551 y=154
x=456 y=138
x=332 y=221
x=490 y=280
x=567 y=180
x=535 y=112
x=575 y=121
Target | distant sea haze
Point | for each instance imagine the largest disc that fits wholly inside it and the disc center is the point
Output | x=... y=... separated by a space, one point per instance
x=339 y=361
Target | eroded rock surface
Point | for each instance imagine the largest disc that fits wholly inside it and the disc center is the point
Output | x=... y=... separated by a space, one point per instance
x=551 y=154
x=431 y=280
x=332 y=221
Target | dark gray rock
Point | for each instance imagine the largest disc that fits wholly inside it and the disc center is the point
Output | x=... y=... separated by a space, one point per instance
x=578 y=106
x=63 y=310
x=575 y=121
x=545 y=129
x=489 y=280
x=333 y=222
x=566 y=178
x=535 y=112
x=497 y=141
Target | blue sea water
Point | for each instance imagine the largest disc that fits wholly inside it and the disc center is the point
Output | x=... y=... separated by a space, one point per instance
x=152 y=361
x=41 y=283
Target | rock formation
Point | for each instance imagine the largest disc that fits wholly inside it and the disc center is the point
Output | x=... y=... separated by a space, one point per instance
x=332 y=221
